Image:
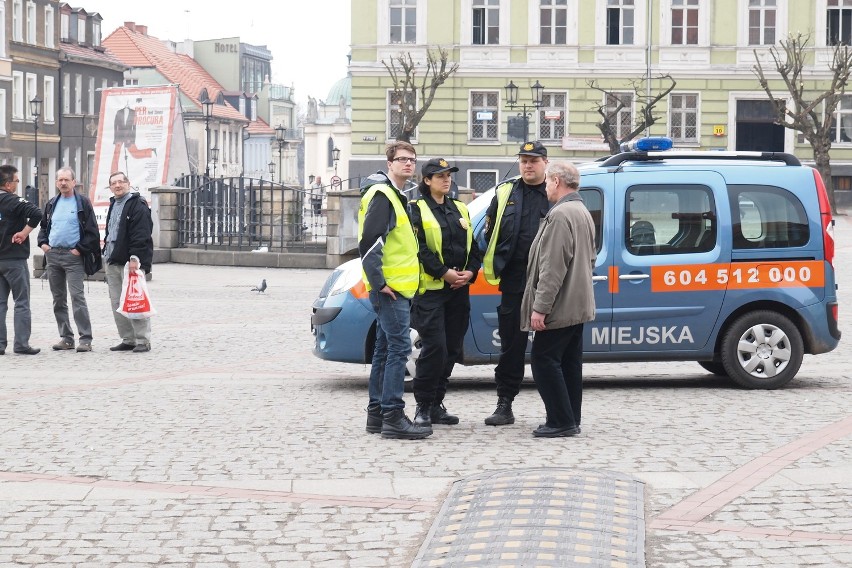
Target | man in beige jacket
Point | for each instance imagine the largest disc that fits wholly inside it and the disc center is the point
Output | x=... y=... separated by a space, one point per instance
x=559 y=299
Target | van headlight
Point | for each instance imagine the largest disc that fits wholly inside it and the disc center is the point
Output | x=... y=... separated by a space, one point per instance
x=348 y=275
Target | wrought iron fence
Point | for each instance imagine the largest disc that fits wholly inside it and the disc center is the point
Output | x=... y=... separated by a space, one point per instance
x=241 y=213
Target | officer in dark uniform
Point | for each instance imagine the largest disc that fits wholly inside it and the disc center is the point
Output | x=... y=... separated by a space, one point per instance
x=512 y=221
x=449 y=261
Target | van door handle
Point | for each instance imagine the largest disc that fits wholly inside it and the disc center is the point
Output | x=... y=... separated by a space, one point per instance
x=599 y=278
x=634 y=276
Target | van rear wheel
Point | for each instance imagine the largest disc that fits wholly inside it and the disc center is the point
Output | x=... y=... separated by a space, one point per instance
x=762 y=350
x=714 y=367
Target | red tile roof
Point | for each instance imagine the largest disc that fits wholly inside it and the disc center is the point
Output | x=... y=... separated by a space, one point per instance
x=260 y=127
x=141 y=50
x=76 y=51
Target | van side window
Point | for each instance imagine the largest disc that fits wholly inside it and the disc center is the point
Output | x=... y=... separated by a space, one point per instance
x=593 y=199
x=767 y=217
x=670 y=219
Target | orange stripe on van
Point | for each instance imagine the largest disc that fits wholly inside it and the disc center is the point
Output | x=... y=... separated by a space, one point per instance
x=613 y=280
x=738 y=276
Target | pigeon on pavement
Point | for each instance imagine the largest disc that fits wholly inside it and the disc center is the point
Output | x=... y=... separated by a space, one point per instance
x=260 y=288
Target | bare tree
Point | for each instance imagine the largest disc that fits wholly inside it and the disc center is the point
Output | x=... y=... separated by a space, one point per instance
x=413 y=90
x=610 y=110
x=810 y=112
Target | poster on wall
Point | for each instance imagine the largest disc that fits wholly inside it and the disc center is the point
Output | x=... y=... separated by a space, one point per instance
x=135 y=136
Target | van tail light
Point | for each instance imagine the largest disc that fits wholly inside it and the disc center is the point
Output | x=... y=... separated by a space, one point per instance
x=827 y=220
x=833 y=314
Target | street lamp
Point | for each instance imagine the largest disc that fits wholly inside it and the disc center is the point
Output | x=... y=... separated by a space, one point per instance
x=214 y=155
x=311 y=179
x=207 y=109
x=271 y=166
x=335 y=156
x=279 y=137
x=526 y=112
x=35 y=111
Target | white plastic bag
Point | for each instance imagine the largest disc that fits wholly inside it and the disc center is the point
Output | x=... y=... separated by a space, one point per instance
x=135 y=302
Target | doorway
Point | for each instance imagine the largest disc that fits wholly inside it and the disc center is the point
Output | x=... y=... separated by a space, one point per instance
x=756 y=128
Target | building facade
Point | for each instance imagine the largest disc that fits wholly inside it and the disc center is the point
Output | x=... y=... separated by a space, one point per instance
x=707 y=46
x=86 y=67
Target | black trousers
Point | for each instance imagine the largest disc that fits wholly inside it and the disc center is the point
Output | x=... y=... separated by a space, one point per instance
x=557 y=368
x=509 y=372
x=441 y=317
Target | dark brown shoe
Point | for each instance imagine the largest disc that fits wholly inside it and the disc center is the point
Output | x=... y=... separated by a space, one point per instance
x=123 y=347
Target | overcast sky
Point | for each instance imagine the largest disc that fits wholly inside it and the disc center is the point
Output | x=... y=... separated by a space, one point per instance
x=309 y=40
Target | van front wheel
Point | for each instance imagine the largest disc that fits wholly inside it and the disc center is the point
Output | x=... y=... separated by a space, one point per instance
x=762 y=350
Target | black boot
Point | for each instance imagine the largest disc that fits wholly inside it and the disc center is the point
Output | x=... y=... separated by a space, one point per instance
x=441 y=416
x=395 y=424
x=374 y=419
x=423 y=415
x=502 y=414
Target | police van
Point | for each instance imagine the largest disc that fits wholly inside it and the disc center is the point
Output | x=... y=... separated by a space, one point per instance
x=723 y=258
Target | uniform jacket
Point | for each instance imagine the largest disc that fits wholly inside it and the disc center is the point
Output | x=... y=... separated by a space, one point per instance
x=559 y=271
x=15 y=213
x=134 y=232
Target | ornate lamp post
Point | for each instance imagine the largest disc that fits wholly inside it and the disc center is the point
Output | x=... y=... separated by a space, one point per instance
x=311 y=179
x=271 y=166
x=207 y=108
x=526 y=112
x=35 y=111
x=335 y=156
x=279 y=138
x=214 y=155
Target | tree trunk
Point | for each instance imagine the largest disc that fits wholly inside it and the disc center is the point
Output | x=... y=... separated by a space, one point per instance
x=404 y=136
x=822 y=161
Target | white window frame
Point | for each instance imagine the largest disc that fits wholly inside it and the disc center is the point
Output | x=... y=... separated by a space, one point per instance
x=546 y=108
x=467 y=24
x=404 y=7
x=570 y=18
x=704 y=15
x=81 y=29
x=31 y=23
x=18 y=94
x=17 y=20
x=66 y=93
x=388 y=117
x=639 y=28
x=3 y=41
x=2 y=112
x=91 y=96
x=534 y=17
x=49 y=27
x=383 y=22
x=64 y=26
x=483 y=171
x=48 y=107
x=696 y=141
x=781 y=19
x=839 y=130
x=497 y=120
x=619 y=133
x=78 y=93
x=96 y=33
x=31 y=93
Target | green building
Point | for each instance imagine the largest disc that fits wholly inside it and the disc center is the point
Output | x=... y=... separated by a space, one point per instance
x=707 y=46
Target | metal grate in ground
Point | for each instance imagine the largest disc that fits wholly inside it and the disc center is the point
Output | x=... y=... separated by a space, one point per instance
x=542 y=517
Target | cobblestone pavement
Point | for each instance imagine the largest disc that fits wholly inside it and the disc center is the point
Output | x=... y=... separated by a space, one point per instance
x=231 y=445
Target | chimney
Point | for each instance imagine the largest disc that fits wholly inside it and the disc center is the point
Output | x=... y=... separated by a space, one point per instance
x=130 y=26
x=142 y=30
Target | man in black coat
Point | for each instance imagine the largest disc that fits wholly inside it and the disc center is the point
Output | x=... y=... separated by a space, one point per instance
x=127 y=239
x=71 y=241
x=18 y=217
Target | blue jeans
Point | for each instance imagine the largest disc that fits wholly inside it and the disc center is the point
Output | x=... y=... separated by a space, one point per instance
x=393 y=346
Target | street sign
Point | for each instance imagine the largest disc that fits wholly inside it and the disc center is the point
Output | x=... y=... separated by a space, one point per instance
x=336 y=183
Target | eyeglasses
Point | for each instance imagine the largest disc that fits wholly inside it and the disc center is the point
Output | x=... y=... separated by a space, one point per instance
x=405 y=160
x=16 y=180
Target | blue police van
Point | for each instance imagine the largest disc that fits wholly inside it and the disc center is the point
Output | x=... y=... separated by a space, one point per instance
x=723 y=258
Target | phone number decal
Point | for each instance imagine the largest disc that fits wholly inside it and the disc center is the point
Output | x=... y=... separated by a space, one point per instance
x=737 y=276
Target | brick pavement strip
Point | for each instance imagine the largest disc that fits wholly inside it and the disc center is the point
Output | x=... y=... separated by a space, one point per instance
x=230 y=445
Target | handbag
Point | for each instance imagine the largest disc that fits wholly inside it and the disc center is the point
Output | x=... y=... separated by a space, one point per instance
x=135 y=302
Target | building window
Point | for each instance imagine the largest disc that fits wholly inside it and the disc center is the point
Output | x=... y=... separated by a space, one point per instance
x=31 y=93
x=395 y=111
x=31 y=22
x=3 y=30
x=481 y=181
x=78 y=94
x=91 y=94
x=64 y=32
x=484 y=115
x=486 y=22
x=17 y=21
x=842 y=117
x=553 y=22
x=684 y=22
x=17 y=95
x=66 y=93
x=96 y=33
x=403 y=21
x=551 y=116
x=619 y=22
x=131 y=82
x=81 y=30
x=839 y=22
x=761 y=22
x=2 y=112
x=48 y=26
x=684 y=118
x=49 y=97
x=621 y=105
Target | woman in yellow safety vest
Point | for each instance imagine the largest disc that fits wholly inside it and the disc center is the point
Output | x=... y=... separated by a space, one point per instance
x=440 y=313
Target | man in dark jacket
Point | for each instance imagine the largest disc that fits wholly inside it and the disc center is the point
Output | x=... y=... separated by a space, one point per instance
x=70 y=240
x=18 y=217
x=127 y=235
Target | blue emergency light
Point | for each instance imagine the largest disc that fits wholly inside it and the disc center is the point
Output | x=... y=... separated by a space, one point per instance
x=649 y=144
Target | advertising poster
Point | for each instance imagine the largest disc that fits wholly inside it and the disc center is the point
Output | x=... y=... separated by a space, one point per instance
x=135 y=135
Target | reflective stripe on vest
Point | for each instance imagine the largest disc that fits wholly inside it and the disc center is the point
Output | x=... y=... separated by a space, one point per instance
x=503 y=193
x=400 y=266
x=434 y=242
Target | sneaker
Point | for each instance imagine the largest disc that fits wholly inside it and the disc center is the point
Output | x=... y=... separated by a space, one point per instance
x=64 y=346
x=142 y=348
x=84 y=347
